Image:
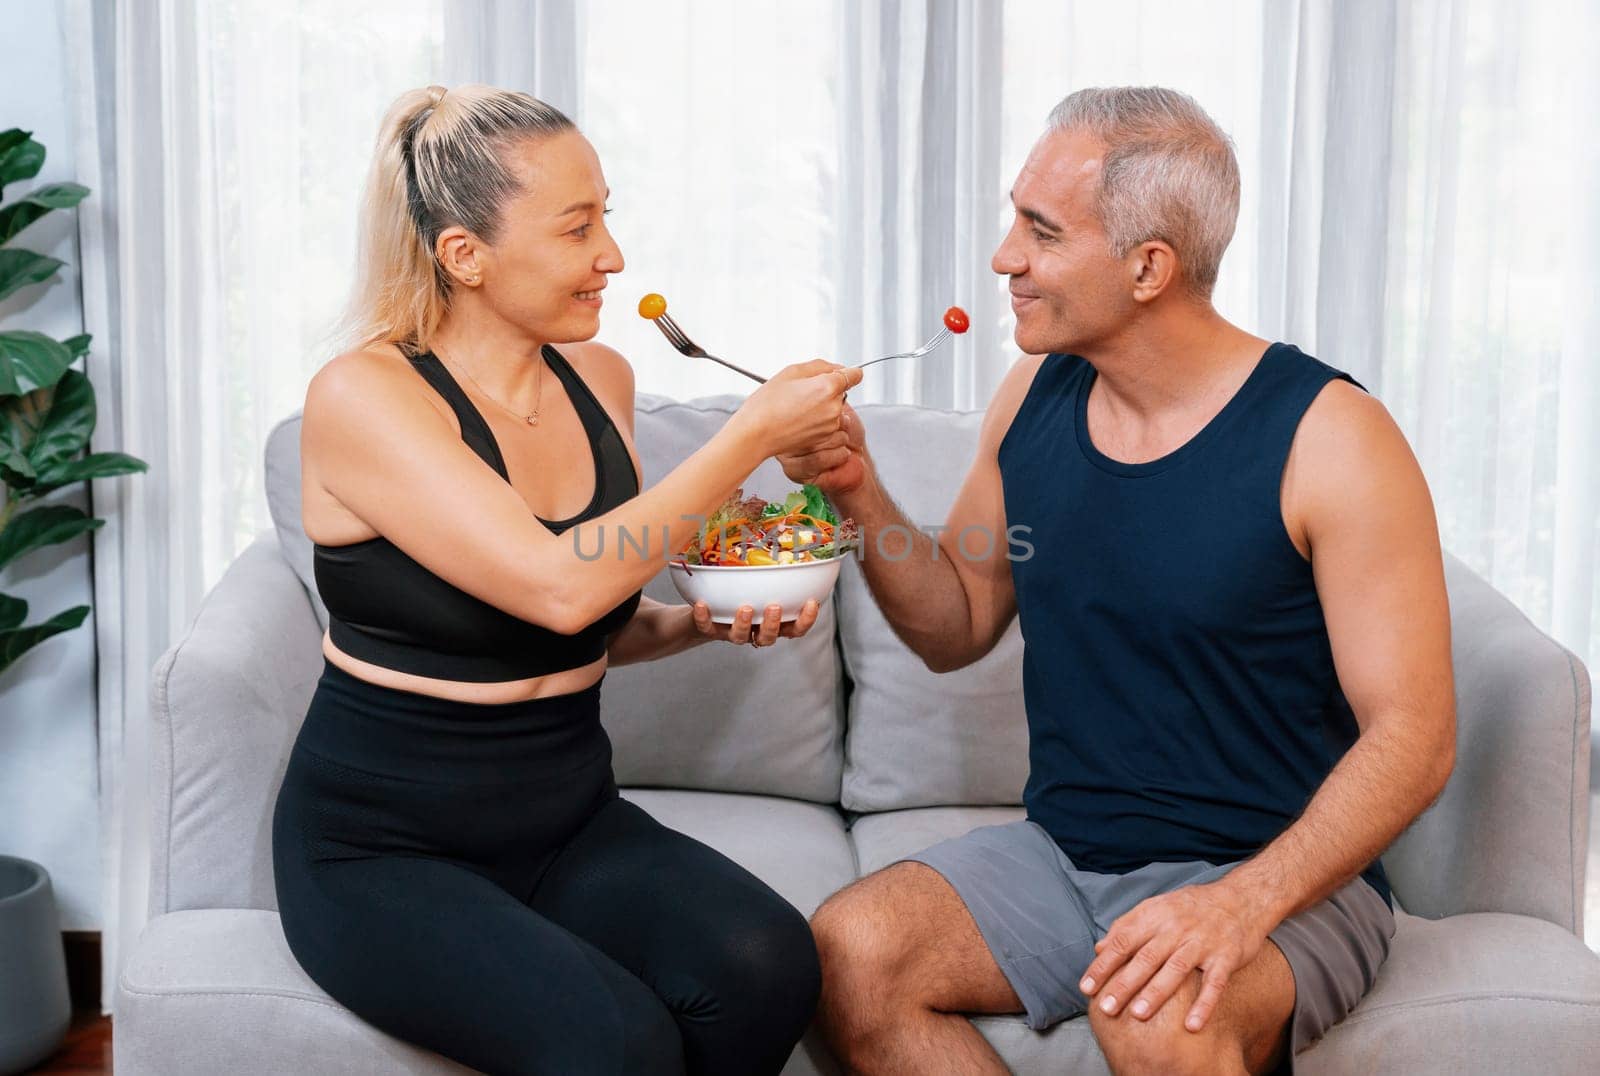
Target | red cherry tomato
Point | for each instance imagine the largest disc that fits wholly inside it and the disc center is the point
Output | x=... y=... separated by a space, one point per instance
x=652 y=306
x=955 y=319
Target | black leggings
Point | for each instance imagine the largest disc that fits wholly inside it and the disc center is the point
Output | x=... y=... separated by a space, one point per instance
x=465 y=877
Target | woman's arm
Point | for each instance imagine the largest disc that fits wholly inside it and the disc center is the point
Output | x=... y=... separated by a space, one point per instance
x=389 y=456
x=659 y=631
x=656 y=631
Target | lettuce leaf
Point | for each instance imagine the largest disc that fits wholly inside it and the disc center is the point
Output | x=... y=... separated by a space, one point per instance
x=816 y=505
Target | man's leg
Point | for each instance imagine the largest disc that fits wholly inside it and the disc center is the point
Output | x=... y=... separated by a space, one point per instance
x=1248 y=1032
x=902 y=959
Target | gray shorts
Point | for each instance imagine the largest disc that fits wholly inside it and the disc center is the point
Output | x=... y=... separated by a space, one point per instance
x=1041 y=917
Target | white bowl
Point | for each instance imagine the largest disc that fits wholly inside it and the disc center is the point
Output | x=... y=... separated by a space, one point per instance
x=726 y=587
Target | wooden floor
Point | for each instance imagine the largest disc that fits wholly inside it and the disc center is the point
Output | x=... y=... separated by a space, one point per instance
x=86 y=1050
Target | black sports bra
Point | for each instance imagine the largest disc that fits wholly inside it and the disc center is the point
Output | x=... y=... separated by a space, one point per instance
x=385 y=608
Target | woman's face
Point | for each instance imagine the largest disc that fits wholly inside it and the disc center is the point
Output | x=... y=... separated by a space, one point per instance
x=550 y=261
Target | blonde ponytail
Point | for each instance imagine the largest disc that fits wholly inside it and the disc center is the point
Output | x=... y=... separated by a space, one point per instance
x=437 y=164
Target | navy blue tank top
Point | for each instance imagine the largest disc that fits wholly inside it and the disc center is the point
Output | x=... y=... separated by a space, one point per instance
x=1181 y=696
x=385 y=608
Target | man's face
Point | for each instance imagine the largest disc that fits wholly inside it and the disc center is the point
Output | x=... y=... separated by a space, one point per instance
x=1067 y=291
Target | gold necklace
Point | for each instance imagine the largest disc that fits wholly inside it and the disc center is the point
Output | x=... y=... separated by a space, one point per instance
x=532 y=417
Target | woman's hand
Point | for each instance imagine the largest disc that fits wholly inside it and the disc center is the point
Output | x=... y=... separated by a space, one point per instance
x=745 y=630
x=799 y=409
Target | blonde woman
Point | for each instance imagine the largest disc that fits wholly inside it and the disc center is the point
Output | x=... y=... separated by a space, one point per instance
x=452 y=860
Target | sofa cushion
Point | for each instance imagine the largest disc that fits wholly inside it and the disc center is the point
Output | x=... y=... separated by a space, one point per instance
x=283 y=503
x=881 y=839
x=800 y=849
x=1510 y=831
x=917 y=738
x=1482 y=993
x=226 y=702
x=217 y=990
x=719 y=717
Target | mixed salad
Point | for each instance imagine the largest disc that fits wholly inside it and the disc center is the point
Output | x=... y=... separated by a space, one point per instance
x=753 y=531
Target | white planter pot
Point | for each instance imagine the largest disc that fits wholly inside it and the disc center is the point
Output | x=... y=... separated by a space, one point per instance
x=35 y=1008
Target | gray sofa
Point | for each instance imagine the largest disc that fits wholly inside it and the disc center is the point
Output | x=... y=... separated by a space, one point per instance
x=868 y=758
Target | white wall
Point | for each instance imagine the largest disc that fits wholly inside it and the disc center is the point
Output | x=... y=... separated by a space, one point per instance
x=48 y=768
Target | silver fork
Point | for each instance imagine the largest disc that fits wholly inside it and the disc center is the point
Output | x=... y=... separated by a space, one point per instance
x=937 y=339
x=685 y=346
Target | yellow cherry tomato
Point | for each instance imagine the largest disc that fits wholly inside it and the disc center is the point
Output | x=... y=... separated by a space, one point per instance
x=652 y=306
x=758 y=556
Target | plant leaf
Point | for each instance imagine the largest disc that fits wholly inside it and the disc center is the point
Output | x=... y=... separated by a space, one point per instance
x=12 y=137
x=19 y=268
x=29 y=361
x=18 y=215
x=78 y=345
x=69 y=419
x=40 y=527
x=15 y=643
x=15 y=470
x=13 y=611
x=95 y=465
x=21 y=161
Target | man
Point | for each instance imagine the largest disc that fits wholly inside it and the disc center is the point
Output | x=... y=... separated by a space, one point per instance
x=1237 y=654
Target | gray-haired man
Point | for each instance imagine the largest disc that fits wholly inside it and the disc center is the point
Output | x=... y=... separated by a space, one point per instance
x=1237 y=652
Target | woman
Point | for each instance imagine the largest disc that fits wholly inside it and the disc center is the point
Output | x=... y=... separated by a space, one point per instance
x=452 y=860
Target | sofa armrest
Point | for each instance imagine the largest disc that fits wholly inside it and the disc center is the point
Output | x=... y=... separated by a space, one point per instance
x=226 y=703
x=1510 y=831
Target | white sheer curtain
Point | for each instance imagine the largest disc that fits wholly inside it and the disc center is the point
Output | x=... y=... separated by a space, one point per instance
x=913 y=227
x=1417 y=208
x=1429 y=224
x=1327 y=108
x=230 y=139
x=717 y=127
x=1493 y=298
x=527 y=45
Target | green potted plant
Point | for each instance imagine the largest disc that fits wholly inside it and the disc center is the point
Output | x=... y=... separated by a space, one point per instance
x=47 y=412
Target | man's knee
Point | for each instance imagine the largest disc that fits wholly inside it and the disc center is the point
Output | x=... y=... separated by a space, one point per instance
x=863 y=933
x=1162 y=1046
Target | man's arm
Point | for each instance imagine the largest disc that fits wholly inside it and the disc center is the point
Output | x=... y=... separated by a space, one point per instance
x=1380 y=577
x=1355 y=496
x=949 y=608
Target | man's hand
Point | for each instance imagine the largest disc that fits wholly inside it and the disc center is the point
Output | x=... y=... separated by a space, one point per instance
x=1148 y=953
x=744 y=630
x=837 y=469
